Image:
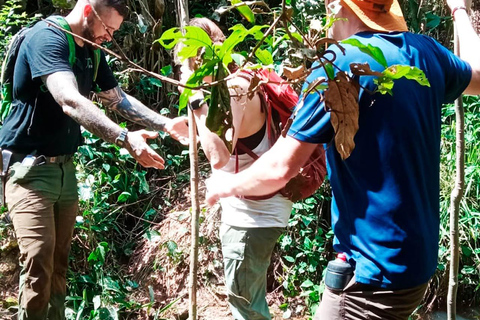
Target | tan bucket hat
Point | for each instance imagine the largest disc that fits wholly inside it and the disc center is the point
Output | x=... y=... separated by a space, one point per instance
x=379 y=15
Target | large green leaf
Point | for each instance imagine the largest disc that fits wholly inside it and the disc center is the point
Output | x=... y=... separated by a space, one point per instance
x=219 y=118
x=195 y=80
x=239 y=32
x=374 y=52
x=386 y=81
x=193 y=39
x=245 y=11
x=264 y=56
x=170 y=38
x=411 y=73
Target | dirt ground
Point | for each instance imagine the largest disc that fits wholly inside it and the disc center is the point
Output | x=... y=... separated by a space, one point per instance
x=172 y=281
x=162 y=264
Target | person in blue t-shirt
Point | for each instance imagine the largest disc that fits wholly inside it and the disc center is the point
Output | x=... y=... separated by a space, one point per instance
x=385 y=207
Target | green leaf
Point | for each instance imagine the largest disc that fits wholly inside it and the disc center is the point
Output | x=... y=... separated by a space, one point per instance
x=219 y=118
x=412 y=73
x=433 y=20
x=238 y=58
x=151 y=234
x=239 y=32
x=289 y=259
x=170 y=38
x=384 y=85
x=245 y=11
x=167 y=70
x=466 y=251
x=264 y=56
x=195 y=80
x=98 y=255
x=193 y=39
x=307 y=284
x=155 y=82
x=330 y=71
x=374 y=52
x=171 y=246
x=124 y=196
x=183 y=100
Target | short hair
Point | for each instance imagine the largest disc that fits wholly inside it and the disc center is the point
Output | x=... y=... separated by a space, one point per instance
x=119 y=5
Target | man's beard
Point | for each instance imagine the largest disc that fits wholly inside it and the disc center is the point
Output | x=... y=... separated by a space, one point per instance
x=88 y=33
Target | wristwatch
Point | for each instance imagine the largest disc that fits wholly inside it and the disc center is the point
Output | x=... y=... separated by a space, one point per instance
x=122 y=137
x=197 y=103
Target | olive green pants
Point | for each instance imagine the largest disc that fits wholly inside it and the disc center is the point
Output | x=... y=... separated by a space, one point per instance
x=246 y=257
x=43 y=204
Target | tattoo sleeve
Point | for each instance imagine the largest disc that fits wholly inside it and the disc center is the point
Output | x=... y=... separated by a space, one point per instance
x=64 y=89
x=132 y=109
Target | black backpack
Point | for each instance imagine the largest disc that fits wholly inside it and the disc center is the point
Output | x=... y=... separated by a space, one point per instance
x=8 y=65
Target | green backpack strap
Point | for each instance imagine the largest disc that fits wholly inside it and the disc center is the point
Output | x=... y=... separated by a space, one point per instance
x=71 y=46
x=71 y=41
x=59 y=20
x=96 y=63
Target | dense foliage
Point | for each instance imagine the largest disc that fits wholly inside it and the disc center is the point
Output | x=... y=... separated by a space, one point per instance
x=122 y=203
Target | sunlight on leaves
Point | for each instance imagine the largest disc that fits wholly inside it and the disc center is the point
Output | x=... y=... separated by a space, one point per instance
x=245 y=11
x=374 y=52
x=264 y=56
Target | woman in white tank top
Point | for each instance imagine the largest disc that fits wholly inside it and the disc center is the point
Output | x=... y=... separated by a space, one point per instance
x=250 y=228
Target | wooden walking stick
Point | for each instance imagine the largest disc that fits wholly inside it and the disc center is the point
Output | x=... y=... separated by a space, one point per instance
x=456 y=194
x=192 y=279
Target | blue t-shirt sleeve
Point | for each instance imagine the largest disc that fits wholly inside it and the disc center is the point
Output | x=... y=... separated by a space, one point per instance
x=458 y=73
x=105 y=78
x=312 y=122
x=48 y=52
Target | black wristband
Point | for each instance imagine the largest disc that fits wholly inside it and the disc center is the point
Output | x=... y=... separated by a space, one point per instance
x=196 y=104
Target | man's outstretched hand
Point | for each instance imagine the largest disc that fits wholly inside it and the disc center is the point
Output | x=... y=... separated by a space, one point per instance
x=136 y=144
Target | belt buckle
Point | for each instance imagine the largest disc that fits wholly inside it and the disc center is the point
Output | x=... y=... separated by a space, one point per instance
x=52 y=159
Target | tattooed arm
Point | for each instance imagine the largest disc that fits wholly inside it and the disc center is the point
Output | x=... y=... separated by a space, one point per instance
x=133 y=110
x=64 y=89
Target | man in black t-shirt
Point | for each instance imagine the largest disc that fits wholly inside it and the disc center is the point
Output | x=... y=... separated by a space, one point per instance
x=43 y=131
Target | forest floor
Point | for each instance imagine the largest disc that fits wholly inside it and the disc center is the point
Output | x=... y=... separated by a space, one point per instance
x=161 y=265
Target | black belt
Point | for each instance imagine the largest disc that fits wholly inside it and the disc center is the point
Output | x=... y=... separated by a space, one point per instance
x=39 y=160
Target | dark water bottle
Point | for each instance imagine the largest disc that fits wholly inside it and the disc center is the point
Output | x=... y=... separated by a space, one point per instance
x=339 y=273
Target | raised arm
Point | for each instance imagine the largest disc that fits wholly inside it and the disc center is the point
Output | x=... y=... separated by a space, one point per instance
x=133 y=110
x=64 y=89
x=469 y=42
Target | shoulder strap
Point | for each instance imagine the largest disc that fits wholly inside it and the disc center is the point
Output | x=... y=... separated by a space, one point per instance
x=71 y=41
x=71 y=46
x=96 y=63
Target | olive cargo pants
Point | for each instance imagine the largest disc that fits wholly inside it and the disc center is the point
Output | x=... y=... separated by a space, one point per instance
x=246 y=257
x=43 y=204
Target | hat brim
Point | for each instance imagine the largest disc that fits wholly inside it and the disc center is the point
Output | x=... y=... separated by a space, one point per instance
x=390 y=21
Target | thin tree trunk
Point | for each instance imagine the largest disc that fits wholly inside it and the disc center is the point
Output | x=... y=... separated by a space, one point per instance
x=456 y=197
x=192 y=283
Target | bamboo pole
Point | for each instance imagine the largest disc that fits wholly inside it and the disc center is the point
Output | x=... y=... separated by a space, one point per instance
x=456 y=195
x=192 y=279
